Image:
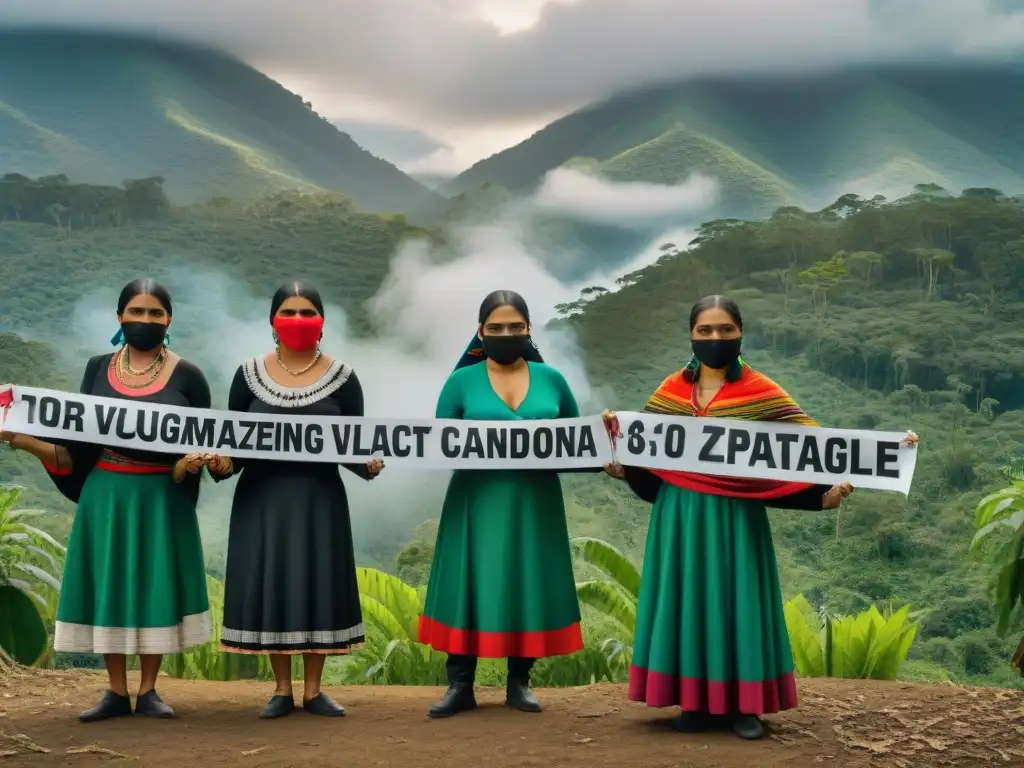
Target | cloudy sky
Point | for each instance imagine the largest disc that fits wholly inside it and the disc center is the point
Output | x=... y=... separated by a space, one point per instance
x=482 y=74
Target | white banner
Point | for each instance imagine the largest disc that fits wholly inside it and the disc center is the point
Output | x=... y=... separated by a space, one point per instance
x=425 y=443
x=767 y=450
x=726 y=447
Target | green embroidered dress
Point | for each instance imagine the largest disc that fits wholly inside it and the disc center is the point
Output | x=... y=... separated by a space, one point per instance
x=502 y=584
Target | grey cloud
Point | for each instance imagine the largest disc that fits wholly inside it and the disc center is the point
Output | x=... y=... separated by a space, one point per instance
x=423 y=57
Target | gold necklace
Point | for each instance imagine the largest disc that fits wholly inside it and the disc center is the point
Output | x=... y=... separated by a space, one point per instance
x=301 y=371
x=118 y=364
x=128 y=362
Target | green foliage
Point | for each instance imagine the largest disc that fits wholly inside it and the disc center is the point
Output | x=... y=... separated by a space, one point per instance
x=1001 y=514
x=617 y=596
x=866 y=646
x=22 y=632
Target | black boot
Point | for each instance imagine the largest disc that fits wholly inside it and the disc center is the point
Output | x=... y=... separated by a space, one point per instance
x=692 y=722
x=518 y=693
x=111 y=705
x=151 y=705
x=748 y=727
x=459 y=696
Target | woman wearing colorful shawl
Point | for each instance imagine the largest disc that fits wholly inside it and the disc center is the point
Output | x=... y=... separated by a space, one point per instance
x=501 y=584
x=710 y=631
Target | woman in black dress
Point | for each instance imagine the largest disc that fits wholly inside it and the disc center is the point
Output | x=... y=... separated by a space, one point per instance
x=290 y=586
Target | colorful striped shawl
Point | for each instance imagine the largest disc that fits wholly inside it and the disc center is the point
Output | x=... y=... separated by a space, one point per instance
x=751 y=397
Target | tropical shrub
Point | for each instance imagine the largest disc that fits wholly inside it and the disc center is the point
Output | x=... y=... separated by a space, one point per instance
x=30 y=561
x=869 y=645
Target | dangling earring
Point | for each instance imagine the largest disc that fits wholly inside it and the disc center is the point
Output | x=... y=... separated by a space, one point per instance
x=276 y=341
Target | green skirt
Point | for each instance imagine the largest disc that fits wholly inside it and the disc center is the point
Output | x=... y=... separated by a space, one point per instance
x=710 y=630
x=134 y=577
x=502 y=584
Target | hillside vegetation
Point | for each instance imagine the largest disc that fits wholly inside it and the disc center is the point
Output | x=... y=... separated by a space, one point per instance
x=779 y=140
x=106 y=108
x=873 y=314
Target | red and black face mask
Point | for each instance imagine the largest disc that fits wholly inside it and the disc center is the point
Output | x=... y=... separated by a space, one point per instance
x=299 y=333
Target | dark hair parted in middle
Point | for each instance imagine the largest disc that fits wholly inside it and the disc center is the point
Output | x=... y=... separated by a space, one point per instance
x=503 y=299
x=292 y=289
x=717 y=301
x=144 y=287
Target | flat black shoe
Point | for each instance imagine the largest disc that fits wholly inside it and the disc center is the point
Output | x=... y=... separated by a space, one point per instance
x=151 y=705
x=111 y=705
x=458 y=698
x=278 y=706
x=691 y=722
x=519 y=696
x=324 y=705
x=748 y=727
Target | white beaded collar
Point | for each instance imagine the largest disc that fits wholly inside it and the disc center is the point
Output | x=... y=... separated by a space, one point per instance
x=270 y=392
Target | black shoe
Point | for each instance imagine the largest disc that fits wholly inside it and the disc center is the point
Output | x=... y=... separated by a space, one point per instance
x=111 y=705
x=519 y=695
x=458 y=698
x=691 y=722
x=278 y=706
x=151 y=705
x=748 y=727
x=324 y=705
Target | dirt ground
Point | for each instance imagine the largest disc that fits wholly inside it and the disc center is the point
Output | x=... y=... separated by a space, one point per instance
x=847 y=724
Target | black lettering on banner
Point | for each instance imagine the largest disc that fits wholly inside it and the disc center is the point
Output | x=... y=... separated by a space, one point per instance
x=887 y=453
x=855 y=467
x=31 y=400
x=714 y=435
x=73 y=413
x=147 y=432
x=397 y=448
x=762 y=451
x=421 y=436
x=49 y=411
x=587 y=445
x=474 y=444
x=543 y=442
x=785 y=440
x=358 y=449
x=105 y=418
x=635 y=443
x=121 y=430
x=170 y=428
x=341 y=436
x=313 y=439
x=809 y=455
x=497 y=443
x=246 y=443
x=265 y=436
x=739 y=441
x=448 y=434
x=381 y=443
x=291 y=437
x=565 y=441
x=520 y=439
x=835 y=455
x=227 y=436
x=198 y=432
x=675 y=441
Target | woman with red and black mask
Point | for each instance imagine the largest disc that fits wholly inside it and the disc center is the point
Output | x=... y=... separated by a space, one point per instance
x=290 y=586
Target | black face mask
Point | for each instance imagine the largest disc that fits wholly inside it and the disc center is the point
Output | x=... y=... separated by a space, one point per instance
x=505 y=350
x=144 y=336
x=716 y=353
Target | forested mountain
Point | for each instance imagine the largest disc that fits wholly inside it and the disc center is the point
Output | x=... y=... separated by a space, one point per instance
x=107 y=108
x=794 y=140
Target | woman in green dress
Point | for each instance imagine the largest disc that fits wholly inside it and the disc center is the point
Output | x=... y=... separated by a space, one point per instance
x=501 y=584
x=134 y=577
x=710 y=633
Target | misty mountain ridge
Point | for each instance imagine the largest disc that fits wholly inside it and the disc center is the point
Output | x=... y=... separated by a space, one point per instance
x=788 y=140
x=108 y=107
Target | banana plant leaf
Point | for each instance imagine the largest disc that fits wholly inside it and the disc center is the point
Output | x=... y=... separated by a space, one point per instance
x=22 y=632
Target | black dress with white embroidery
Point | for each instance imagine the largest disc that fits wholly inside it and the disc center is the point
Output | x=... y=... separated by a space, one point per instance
x=290 y=585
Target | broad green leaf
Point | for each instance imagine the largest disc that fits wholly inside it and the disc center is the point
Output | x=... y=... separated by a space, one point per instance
x=610 y=561
x=609 y=600
x=22 y=632
x=394 y=594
